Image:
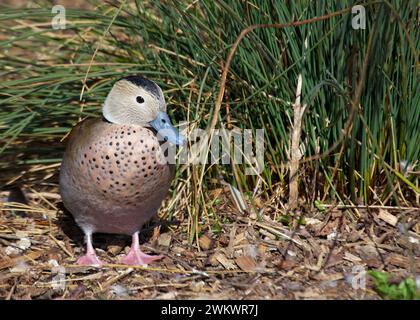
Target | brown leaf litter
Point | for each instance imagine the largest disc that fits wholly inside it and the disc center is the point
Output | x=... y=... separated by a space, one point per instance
x=247 y=259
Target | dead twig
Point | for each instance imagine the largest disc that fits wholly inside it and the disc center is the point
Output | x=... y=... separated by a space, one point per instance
x=295 y=154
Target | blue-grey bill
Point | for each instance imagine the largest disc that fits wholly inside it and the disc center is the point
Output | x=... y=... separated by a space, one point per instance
x=162 y=124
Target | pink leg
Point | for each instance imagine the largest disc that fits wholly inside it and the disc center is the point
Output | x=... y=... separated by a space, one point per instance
x=90 y=258
x=137 y=258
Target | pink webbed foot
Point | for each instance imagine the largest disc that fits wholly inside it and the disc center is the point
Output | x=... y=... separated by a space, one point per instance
x=136 y=257
x=90 y=258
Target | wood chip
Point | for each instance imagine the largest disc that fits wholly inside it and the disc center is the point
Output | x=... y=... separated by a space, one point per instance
x=115 y=249
x=241 y=237
x=215 y=193
x=213 y=260
x=351 y=257
x=310 y=221
x=246 y=263
x=116 y=278
x=267 y=234
x=155 y=235
x=278 y=233
x=177 y=250
x=165 y=239
x=398 y=260
x=79 y=269
x=367 y=252
x=7 y=263
x=117 y=245
x=308 y=294
x=261 y=249
x=205 y=242
x=167 y=296
x=225 y=262
x=322 y=276
x=231 y=240
x=387 y=217
x=223 y=240
x=286 y=264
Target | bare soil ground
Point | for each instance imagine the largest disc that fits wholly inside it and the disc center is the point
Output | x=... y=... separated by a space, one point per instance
x=250 y=258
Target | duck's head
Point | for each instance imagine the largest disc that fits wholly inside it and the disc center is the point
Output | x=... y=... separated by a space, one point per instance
x=139 y=101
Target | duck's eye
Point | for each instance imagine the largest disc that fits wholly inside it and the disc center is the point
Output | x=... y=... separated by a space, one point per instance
x=140 y=99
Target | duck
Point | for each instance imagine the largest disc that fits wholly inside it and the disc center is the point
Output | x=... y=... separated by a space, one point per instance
x=114 y=173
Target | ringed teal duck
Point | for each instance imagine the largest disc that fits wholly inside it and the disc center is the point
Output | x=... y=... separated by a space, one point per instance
x=114 y=174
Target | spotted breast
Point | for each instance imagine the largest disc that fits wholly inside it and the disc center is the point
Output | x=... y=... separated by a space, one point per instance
x=113 y=177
